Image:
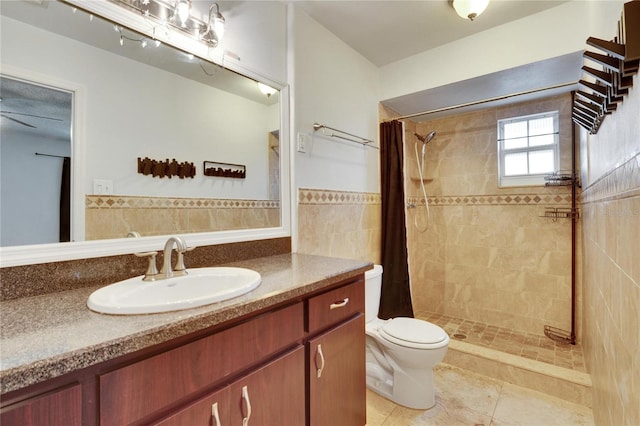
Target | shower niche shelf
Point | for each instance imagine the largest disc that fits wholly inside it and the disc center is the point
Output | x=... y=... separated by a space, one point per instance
x=417 y=179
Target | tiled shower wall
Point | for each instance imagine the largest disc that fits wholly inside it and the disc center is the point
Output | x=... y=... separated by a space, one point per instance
x=113 y=216
x=339 y=223
x=487 y=255
x=611 y=216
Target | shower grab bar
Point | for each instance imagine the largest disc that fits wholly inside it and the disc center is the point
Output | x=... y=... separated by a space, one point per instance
x=349 y=136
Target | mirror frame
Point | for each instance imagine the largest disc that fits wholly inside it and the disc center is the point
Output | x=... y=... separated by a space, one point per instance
x=55 y=252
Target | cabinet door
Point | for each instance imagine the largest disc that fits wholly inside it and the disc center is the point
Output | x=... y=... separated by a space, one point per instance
x=212 y=410
x=337 y=393
x=272 y=395
x=63 y=408
x=136 y=391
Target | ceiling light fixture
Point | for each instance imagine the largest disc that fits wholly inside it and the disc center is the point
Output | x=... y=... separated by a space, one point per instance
x=215 y=26
x=470 y=9
x=266 y=90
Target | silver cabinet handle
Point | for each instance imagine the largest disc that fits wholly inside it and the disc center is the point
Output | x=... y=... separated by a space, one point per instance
x=321 y=368
x=245 y=398
x=215 y=415
x=341 y=304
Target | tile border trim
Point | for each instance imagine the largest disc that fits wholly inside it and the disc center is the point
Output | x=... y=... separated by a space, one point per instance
x=495 y=200
x=326 y=196
x=619 y=183
x=133 y=202
x=308 y=196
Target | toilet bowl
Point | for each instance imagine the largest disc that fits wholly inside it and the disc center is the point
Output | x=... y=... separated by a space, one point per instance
x=401 y=352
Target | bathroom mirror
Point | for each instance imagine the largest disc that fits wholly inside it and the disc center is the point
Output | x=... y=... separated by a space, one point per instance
x=151 y=102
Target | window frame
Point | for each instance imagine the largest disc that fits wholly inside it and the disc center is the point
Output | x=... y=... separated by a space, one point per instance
x=530 y=179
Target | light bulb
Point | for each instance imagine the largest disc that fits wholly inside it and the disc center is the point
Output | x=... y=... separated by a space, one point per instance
x=183 y=9
x=266 y=90
x=218 y=26
x=470 y=9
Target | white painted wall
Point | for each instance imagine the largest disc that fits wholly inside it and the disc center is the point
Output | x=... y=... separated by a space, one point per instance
x=126 y=105
x=554 y=32
x=29 y=186
x=256 y=32
x=334 y=85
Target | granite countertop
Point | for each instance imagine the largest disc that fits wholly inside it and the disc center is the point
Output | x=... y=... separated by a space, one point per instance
x=46 y=336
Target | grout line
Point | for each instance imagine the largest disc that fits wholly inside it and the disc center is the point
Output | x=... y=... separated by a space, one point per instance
x=495 y=407
x=512 y=342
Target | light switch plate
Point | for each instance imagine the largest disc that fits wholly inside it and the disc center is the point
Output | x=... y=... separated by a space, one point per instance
x=303 y=142
x=102 y=187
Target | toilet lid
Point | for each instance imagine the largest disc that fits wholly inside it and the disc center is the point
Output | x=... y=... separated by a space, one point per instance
x=413 y=330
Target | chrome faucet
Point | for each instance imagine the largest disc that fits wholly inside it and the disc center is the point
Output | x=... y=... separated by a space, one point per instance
x=167 y=271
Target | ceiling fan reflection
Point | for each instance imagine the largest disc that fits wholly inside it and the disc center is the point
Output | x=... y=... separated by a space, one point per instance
x=3 y=115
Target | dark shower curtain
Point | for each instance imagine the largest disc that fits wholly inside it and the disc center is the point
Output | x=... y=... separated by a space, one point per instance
x=65 y=201
x=395 y=300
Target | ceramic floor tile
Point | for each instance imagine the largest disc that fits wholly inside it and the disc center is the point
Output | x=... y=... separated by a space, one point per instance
x=440 y=415
x=458 y=389
x=525 y=407
x=378 y=409
x=528 y=345
x=467 y=398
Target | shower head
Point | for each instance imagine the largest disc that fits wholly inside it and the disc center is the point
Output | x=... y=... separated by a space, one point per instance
x=426 y=139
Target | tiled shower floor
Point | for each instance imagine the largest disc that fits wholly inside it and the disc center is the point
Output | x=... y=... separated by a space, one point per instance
x=527 y=345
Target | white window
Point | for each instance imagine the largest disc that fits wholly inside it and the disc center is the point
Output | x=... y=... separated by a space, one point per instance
x=527 y=149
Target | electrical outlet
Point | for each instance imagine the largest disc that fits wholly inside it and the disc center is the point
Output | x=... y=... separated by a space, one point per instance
x=303 y=142
x=102 y=187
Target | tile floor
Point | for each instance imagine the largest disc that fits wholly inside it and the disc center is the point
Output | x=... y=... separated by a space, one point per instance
x=467 y=398
x=526 y=345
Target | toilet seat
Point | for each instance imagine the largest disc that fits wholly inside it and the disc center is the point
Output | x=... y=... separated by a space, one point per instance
x=413 y=333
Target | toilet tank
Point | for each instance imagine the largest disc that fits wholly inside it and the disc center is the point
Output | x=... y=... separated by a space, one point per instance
x=372 y=289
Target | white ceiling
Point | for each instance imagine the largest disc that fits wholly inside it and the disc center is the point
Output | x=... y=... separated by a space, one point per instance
x=389 y=31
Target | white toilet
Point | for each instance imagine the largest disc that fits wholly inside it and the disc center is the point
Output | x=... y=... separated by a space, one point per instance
x=401 y=352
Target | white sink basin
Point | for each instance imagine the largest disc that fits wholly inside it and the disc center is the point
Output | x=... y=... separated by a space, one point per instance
x=201 y=286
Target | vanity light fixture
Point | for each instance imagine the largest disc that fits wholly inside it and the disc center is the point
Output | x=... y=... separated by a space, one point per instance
x=266 y=90
x=143 y=41
x=176 y=14
x=469 y=9
x=214 y=31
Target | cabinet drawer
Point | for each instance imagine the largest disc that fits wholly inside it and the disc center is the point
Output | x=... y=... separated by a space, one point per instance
x=61 y=407
x=335 y=305
x=138 y=390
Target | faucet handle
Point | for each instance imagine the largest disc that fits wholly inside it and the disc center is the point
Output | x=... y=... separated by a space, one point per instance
x=152 y=268
x=180 y=260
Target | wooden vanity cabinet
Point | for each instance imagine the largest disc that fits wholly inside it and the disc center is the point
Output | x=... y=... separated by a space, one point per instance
x=336 y=348
x=142 y=391
x=60 y=407
x=271 y=395
x=300 y=364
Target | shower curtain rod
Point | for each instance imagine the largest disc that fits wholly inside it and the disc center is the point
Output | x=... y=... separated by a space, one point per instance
x=483 y=101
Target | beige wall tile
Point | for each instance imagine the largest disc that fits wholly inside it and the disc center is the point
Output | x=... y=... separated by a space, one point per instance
x=338 y=223
x=610 y=266
x=115 y=216
x=491 y=261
